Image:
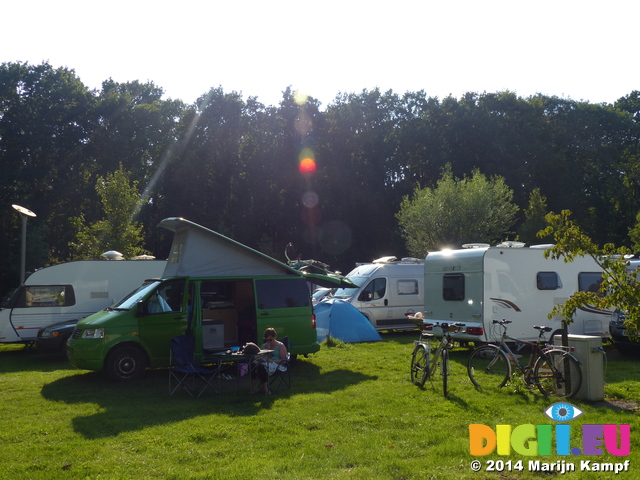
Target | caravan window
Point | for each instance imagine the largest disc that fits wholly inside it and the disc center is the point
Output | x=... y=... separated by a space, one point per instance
x=282 y=293
x=453 y=286
x=589 y=281
x=548 y=281
x=45 y=296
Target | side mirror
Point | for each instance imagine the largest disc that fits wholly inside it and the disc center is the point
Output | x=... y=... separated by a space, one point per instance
x=142 y=309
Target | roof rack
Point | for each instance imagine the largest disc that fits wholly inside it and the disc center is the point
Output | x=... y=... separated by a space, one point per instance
x=476 y=245
x=392 y=259
x=510 y=244
x=389 y=259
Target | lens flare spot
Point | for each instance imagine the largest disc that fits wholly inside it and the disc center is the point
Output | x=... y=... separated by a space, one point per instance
x=303 y=124
x=310 y=199
x=306 y=152
x=311 y=216
x=300 y=98
x=307 y=166
x=335 y=237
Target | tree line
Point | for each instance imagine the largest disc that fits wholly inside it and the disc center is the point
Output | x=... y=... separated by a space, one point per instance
x=329 y=179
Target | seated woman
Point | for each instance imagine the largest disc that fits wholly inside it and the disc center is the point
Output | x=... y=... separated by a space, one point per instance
x=268 y=364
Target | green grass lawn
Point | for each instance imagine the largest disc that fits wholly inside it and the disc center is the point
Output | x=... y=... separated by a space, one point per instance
x=351 y=413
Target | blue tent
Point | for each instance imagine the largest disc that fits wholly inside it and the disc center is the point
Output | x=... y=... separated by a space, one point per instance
x=343 y=321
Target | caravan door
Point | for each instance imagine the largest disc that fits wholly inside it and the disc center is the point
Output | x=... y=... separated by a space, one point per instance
x=33 y=307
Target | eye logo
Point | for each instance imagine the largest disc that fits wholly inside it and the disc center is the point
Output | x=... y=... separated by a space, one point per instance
x=563 y=412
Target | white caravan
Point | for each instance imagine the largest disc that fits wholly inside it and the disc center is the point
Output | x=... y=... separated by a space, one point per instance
x=389 y=290
x=479 y=284
x=70 y=291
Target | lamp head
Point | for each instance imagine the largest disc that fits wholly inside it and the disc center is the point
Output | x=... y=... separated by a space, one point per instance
x=23 y=211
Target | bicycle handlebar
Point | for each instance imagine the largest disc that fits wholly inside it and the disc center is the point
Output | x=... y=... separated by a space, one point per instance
x=502 y=322
x=447 y=327
x=542 y=329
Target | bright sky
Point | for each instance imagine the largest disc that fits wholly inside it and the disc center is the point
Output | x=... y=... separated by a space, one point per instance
x=578 y=49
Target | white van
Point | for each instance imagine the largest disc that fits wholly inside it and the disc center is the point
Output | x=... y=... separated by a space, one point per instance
x=480 y=284
x=67 y=292
x=389 y=290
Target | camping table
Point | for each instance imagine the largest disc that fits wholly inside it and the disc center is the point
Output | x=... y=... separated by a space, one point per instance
x=236 y=359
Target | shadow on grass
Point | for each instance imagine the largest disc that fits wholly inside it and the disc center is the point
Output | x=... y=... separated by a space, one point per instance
x=128 y=407
x=18 y=358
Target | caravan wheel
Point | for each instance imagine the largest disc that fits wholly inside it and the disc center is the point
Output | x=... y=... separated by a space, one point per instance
x=125 y=363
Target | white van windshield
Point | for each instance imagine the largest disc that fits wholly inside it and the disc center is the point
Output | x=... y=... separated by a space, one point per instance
x=134 y=297
x=349 y=292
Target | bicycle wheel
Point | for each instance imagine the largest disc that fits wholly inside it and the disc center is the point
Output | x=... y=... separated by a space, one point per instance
x=488 y=367
x=420 y=364
x=445 y=371
x=557 y=373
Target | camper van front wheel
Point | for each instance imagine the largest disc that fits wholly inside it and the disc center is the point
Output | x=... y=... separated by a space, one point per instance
x=126 y=364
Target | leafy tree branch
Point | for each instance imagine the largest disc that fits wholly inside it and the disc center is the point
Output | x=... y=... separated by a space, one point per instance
x=619 y=289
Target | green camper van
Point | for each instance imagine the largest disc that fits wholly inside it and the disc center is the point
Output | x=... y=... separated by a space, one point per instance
x=223 y=293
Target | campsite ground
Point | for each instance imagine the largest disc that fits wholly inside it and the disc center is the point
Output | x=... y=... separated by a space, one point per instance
x=352 y=413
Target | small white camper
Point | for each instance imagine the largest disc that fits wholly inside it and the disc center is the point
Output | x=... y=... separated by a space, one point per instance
x=479 y=284
x=68 y=292
x=389 y=290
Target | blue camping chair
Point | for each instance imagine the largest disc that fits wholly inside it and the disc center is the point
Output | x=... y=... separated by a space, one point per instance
x=185 y=373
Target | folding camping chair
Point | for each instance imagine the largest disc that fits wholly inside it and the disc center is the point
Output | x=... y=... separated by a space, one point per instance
x=185 y=373
x=281 y=378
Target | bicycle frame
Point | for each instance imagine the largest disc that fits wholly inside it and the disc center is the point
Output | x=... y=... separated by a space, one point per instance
x=424 y=361
x=552 y=369
x=445 y=342
x=538 y=348
x=437 y=354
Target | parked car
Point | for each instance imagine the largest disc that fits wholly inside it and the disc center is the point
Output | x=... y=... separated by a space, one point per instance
x=54 y=337
x=620 y=335
x=319 y=294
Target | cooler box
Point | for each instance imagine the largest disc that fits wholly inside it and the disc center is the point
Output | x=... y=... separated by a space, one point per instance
x=212 y=335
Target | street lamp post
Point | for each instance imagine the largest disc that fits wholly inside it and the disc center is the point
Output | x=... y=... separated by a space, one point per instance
x=24 y=213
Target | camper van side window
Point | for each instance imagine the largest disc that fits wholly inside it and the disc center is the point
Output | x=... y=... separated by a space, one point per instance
x=167 y=298
x=407 y=287
x=548 y=281
x=46 y=296
x=374 y=291
x=453 y=286
x=589 y=281
x=282 y=293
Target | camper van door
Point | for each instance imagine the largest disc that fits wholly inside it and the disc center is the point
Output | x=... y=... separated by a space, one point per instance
x=162 y=316
x=372 y=301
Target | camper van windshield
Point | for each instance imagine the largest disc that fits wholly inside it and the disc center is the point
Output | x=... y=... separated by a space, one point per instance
x=350 y=292
x=134 y=297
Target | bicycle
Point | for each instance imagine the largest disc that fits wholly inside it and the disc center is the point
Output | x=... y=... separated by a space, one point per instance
x=425 y=358
x=552 y=369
